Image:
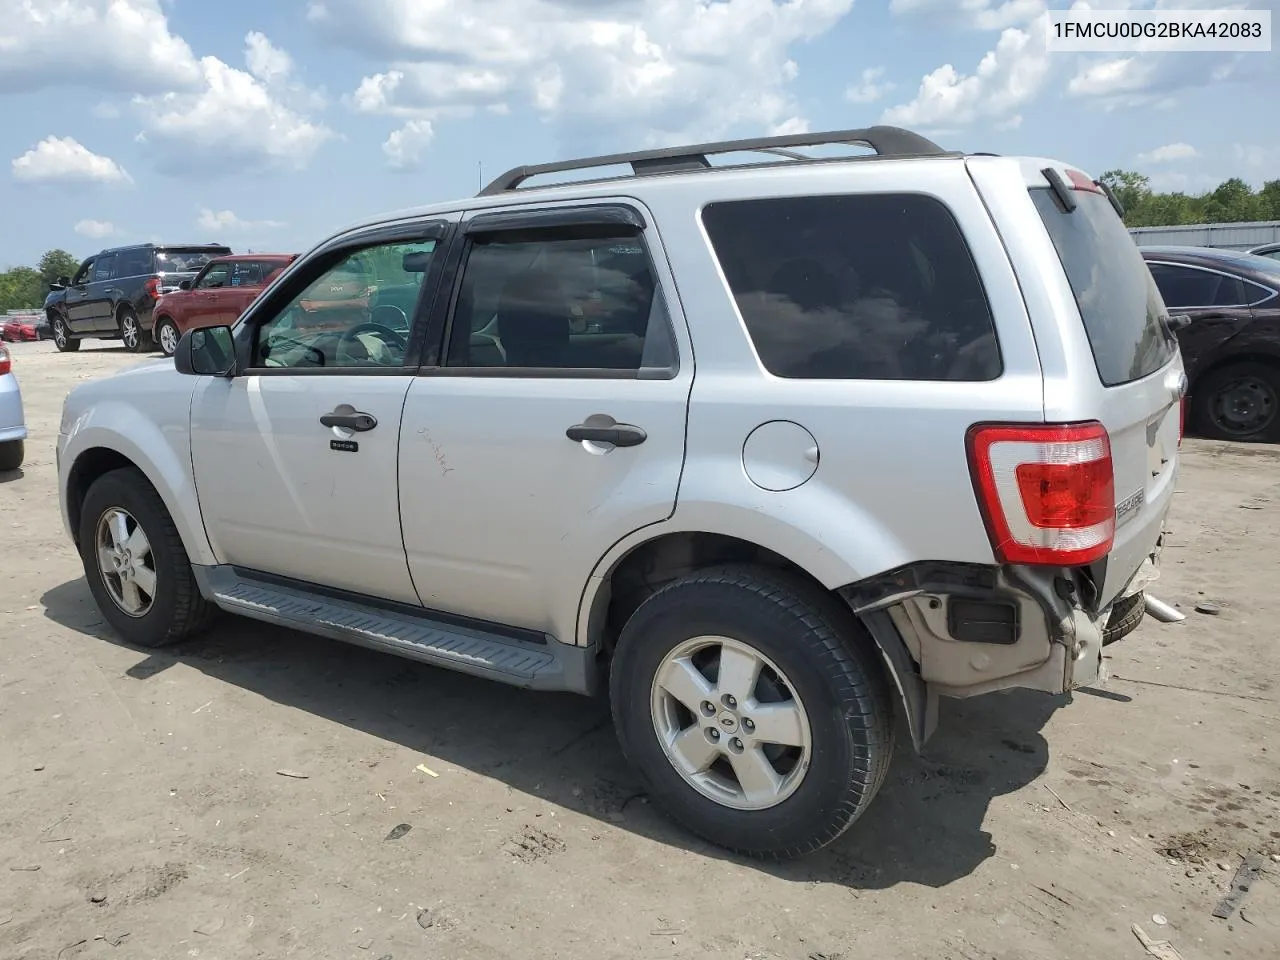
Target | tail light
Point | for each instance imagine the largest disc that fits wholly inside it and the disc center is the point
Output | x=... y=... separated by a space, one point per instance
x=6 y=364
x=152 y=288
x=1047 y=492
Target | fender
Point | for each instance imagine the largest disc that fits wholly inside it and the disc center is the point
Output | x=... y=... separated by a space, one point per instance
x=849 y=545
x=161 y=450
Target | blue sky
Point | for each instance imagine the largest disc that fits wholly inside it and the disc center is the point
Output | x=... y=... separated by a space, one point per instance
x=268 y=124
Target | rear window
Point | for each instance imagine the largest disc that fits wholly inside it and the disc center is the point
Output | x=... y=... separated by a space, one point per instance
x=178 y=260
x=1118 y=300
x=865 y=287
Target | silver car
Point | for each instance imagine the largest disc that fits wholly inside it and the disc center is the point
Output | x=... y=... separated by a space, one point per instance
x=13 y=427
x=776 y=453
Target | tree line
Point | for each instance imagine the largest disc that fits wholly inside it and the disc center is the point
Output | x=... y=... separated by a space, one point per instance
x=24 y=288
x=1232 y=201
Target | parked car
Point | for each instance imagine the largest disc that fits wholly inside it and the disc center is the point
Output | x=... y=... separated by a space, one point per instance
x=13 y=425
x=928 y=451
x=113 y=294
x=22 y=328
x=1231 y=346
x=216 y=296
x=1271 y=250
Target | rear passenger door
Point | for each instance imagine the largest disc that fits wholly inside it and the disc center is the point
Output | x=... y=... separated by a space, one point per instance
x=1215 y=302
x=552 y=422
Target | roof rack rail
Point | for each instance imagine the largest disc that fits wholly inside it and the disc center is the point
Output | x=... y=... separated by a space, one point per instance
x=885 y=141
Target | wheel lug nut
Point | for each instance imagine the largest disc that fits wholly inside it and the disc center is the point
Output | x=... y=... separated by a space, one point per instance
x=729 y=701
x=708 y=708
x=748 y=725
x=713 y=733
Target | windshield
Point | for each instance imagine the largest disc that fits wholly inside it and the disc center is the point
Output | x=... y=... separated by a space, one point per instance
x=1118 y=300
x=185 y=261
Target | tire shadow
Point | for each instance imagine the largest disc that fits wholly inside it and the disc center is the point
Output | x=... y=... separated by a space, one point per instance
x=925 y=827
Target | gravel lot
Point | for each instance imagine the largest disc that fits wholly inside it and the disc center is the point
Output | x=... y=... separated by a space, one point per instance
x=143 y=815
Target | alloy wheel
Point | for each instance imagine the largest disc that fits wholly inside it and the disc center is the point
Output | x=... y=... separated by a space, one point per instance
x=168 y=338
x=730 y=723
x=126 y=562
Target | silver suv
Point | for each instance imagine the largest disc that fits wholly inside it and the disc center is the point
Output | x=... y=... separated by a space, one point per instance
x=776 y=453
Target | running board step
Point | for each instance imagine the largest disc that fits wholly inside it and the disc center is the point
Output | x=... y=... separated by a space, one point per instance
x=549 y=666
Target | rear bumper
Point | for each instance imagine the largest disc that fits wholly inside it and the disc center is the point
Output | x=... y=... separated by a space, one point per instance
x=969 y=629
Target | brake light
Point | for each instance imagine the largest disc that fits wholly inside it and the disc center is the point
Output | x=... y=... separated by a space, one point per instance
x=1080 y=181
x=6 y=364
x=152 y=288
x=1047 y=492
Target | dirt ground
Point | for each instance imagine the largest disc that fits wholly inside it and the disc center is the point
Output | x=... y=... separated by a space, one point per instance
x=143 y=813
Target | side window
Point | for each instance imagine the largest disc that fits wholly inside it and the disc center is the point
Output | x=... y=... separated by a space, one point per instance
x=569 y=299
x=1255 y=293
x=134 y=263
x=245 y=273
x=871 y=287
x=1187 y=287
x=104 y=267
x=357 y=313
x=85 y=273
x=214 y=277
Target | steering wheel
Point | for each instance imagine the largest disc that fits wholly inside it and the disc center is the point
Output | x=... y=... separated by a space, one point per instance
x=384 y=333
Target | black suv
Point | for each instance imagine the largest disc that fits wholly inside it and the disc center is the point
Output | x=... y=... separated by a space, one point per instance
x=114 y=292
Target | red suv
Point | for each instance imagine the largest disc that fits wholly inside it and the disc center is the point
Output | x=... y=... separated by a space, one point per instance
x=217 y=296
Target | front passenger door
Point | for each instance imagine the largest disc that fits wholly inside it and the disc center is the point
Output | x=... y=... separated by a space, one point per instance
x=79 y=315
x=295 y=456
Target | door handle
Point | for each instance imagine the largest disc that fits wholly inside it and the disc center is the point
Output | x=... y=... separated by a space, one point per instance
x=619 y=434
x=360 y=422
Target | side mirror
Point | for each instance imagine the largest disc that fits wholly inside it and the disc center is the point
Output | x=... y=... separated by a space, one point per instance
x=206 y=352
x=58 y=284
x=416 y=262
x=184 y=285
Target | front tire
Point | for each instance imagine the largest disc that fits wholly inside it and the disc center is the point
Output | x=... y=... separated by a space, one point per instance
x=166 y=334
x=62 y=336
x=1240 y=401
x=12 y=453
x=754 y=708
x=135 y=563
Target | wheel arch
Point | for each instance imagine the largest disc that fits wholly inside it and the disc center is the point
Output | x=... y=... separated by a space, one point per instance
x=102 y=450
x=639 y=565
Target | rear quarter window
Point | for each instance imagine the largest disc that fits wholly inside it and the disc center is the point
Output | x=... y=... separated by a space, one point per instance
x=1118 y=300
x=856 y=287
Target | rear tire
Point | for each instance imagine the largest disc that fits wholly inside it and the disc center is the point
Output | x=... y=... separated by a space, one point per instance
x=62 y=338
x=12 y=453
x=1125 y=617
x=135 y=339
x=701 y=750
x=127 y=536
x=1240 y=401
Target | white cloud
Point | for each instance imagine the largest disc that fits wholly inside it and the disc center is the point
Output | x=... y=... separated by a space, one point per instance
x=1006 y=79
x=1169 y=153
x=65 y=159
x=1254 y=156
x=405 y=147
x=266 y=61
x=672 y=68
x=869 y=88
x=120 y=45
x=95 y=229
x=224 y=221
x=972 y=14
x=236 y=121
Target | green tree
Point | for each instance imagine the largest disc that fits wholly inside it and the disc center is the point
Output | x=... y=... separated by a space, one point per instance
x=1232 y=201
x=21 y=288
x=57 y=263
